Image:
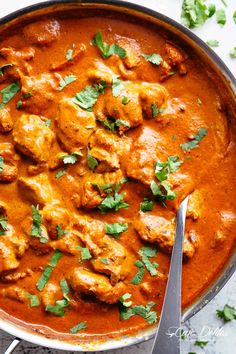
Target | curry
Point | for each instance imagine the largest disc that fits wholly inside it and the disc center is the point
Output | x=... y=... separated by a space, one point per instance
x=106 y=125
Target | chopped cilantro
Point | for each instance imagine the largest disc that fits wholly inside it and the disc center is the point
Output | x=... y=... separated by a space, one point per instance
x=140 y=273
x=200 y=343
x=59 y=308
x=112 y=124
x=117 y=86
x=163 y=169
x=234 y=16
x=3 y=225
x=144 y=311
x=70 y=53
x=156 y=110
x=116 y=229
x=194 y=143
x=34 y=300
x=162 y=192
x=27 y=95
x=60 y=173
x=19 y=104
x=3 y=67
x=1 y=163
x=48 y=123
x=48 y=270
x=224 y=3
x=78 y=327
x=233 y=53
x=227 y=314
x=36 y=230
x=146 y=205
x=107 y=50
x=70 y=159
x=221 y=17
x=85 y=254
x=105 y=261
x=60 y=232
x=174 y=137
x=91 y=161
x=114 y=201
x=66 y=81
x=8 y=93
x=125 y=100
x=213 y=43
x=87 y=98
x=195 y=12
x=155 y=59
x=146 y=253
x=123 y=299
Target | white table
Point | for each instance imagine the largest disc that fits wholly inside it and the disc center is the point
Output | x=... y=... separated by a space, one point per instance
x=205 y=322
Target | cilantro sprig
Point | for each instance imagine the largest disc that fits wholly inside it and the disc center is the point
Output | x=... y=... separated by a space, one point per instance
x=8 y=93
x=116 y=229
x=66 y=81
x=107 y=50
x=36 y=230
x=87 y=98
x=42 y=281
x=114 y=201
x=194 y=143
x=195 y=12
x=227 y=314
x=139 y=310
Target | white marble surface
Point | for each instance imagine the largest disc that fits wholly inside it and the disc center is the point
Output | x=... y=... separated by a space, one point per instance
x=205 y=325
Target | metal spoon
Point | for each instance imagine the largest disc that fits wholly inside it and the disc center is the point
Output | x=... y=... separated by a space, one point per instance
x=167 y=339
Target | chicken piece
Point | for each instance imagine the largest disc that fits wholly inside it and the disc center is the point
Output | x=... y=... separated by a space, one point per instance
x=77 y=54
x=15 y=293
x=157 y=229
x=86 y=282
x=39 y=92
x=12 y=247
x=33 y=138
x=91 y=195
x=143 y=156
x=51 y=293
x=6 y=123
x=72 y=189
x=19 y=60
x=100 y=72
x=174 y=59
x=9 y=158
x=37 y=189
x=42 y=32
x=133 y=51
x=195 y=203
x=68 y=243
x=34 y=242
x=14 y=277
x=228 y=223
x=53 y=216
x=101 y=246
x=108 y=150
x=152 y=94
x=74 y=126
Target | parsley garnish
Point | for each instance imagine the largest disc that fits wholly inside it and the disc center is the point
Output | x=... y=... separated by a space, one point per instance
x=202 y=132
x=233 y=53
x=200 y=343
x=116 y=229
x=140 y=273
x=48 y=270
x=195 y=12
x=213 y=43
x=227 y=314
x=78 y=327
x=66 y=81
x=123 y=299
x=163 y=169
x=114 y=201
x=112 y=124
x=8 y=93
x=91 y=161
x=85 y=254
x=162 y=192
x=34 y=300
x=36 y=230
x=146 y=253
x=144 y=311
x=60 y=232
x=70 y=52
x=87 y=98
x=155 y=59
x=1 y=163
x=3 y=225
x=60 y=173
x=3 y=67
x=70 y=159
x=107 y=50
x=221 y=17
x=146 y=205
x=117 y=86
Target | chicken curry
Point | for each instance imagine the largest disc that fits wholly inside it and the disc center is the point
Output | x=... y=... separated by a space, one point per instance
x=106 y=125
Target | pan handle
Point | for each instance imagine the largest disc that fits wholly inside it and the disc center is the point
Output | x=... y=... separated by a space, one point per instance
x=12 y=346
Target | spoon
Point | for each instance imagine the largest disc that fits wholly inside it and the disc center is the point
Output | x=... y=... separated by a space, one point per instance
x=167 y=338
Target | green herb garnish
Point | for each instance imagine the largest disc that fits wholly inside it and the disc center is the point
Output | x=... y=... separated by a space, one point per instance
x=200 y=343
x=125 y=100
x=140 y=273
x=36 y=230
x=155 y=59
x=8 y=93
x=194 y=143
x=85 y=253
x=78 y=327
x=1 y=164
x=87 y=98
x=60 y=173
x=227 y=314
x=146 y=253
x=48 y=123
x=3 y=225
x=123 y=299
x=196 y=12
x=146 y=205
x=70 y=159
x=66 y=81
x=91 y=161
x=213 y=43
x=107 y=50
x=112 y=124
x=221 y=17
x=48 y=270
x=70 y=53
x=144 y=311
x=116 y=229
x=34 y=300
x=163 y=169
x=114 y=201
x=232 y=53
x=60 y=232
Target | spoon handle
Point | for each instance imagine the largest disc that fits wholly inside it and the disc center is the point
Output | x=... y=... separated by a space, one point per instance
x=167 y=339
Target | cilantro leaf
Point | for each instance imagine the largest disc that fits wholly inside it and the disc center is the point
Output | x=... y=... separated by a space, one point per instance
x=34 y=300
x=78 y=327
x=213 y=43
x=70 y=53
x=107 y=50
x=86 y=98
x=163 y=169
x=123 y=299
x=117 y=86
x=146 y=253
x=3 y=225
x=155 y=59
x=112 y=124
x=85 y=253
x=60 y=173
x=162 y=192
x=59 y=308
x=116 y=229
x=91 y=161
x=19 y=104
x=200 y=343
x=1 y=163
x=233 y=53
x=227 y=314
x=70 y=159
x=3 y=67
x=202 y=132
x=36 y=230
x=60 y=232
x=234 y=16
x=221 y=17
x=42 y=281
x=125 y=100
x=195 y=13
x=114 y=201
x=66 y=81
x=146 y=205
x=8 y=93
x=140 y=273
x=48 y=123
x=139 y=310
